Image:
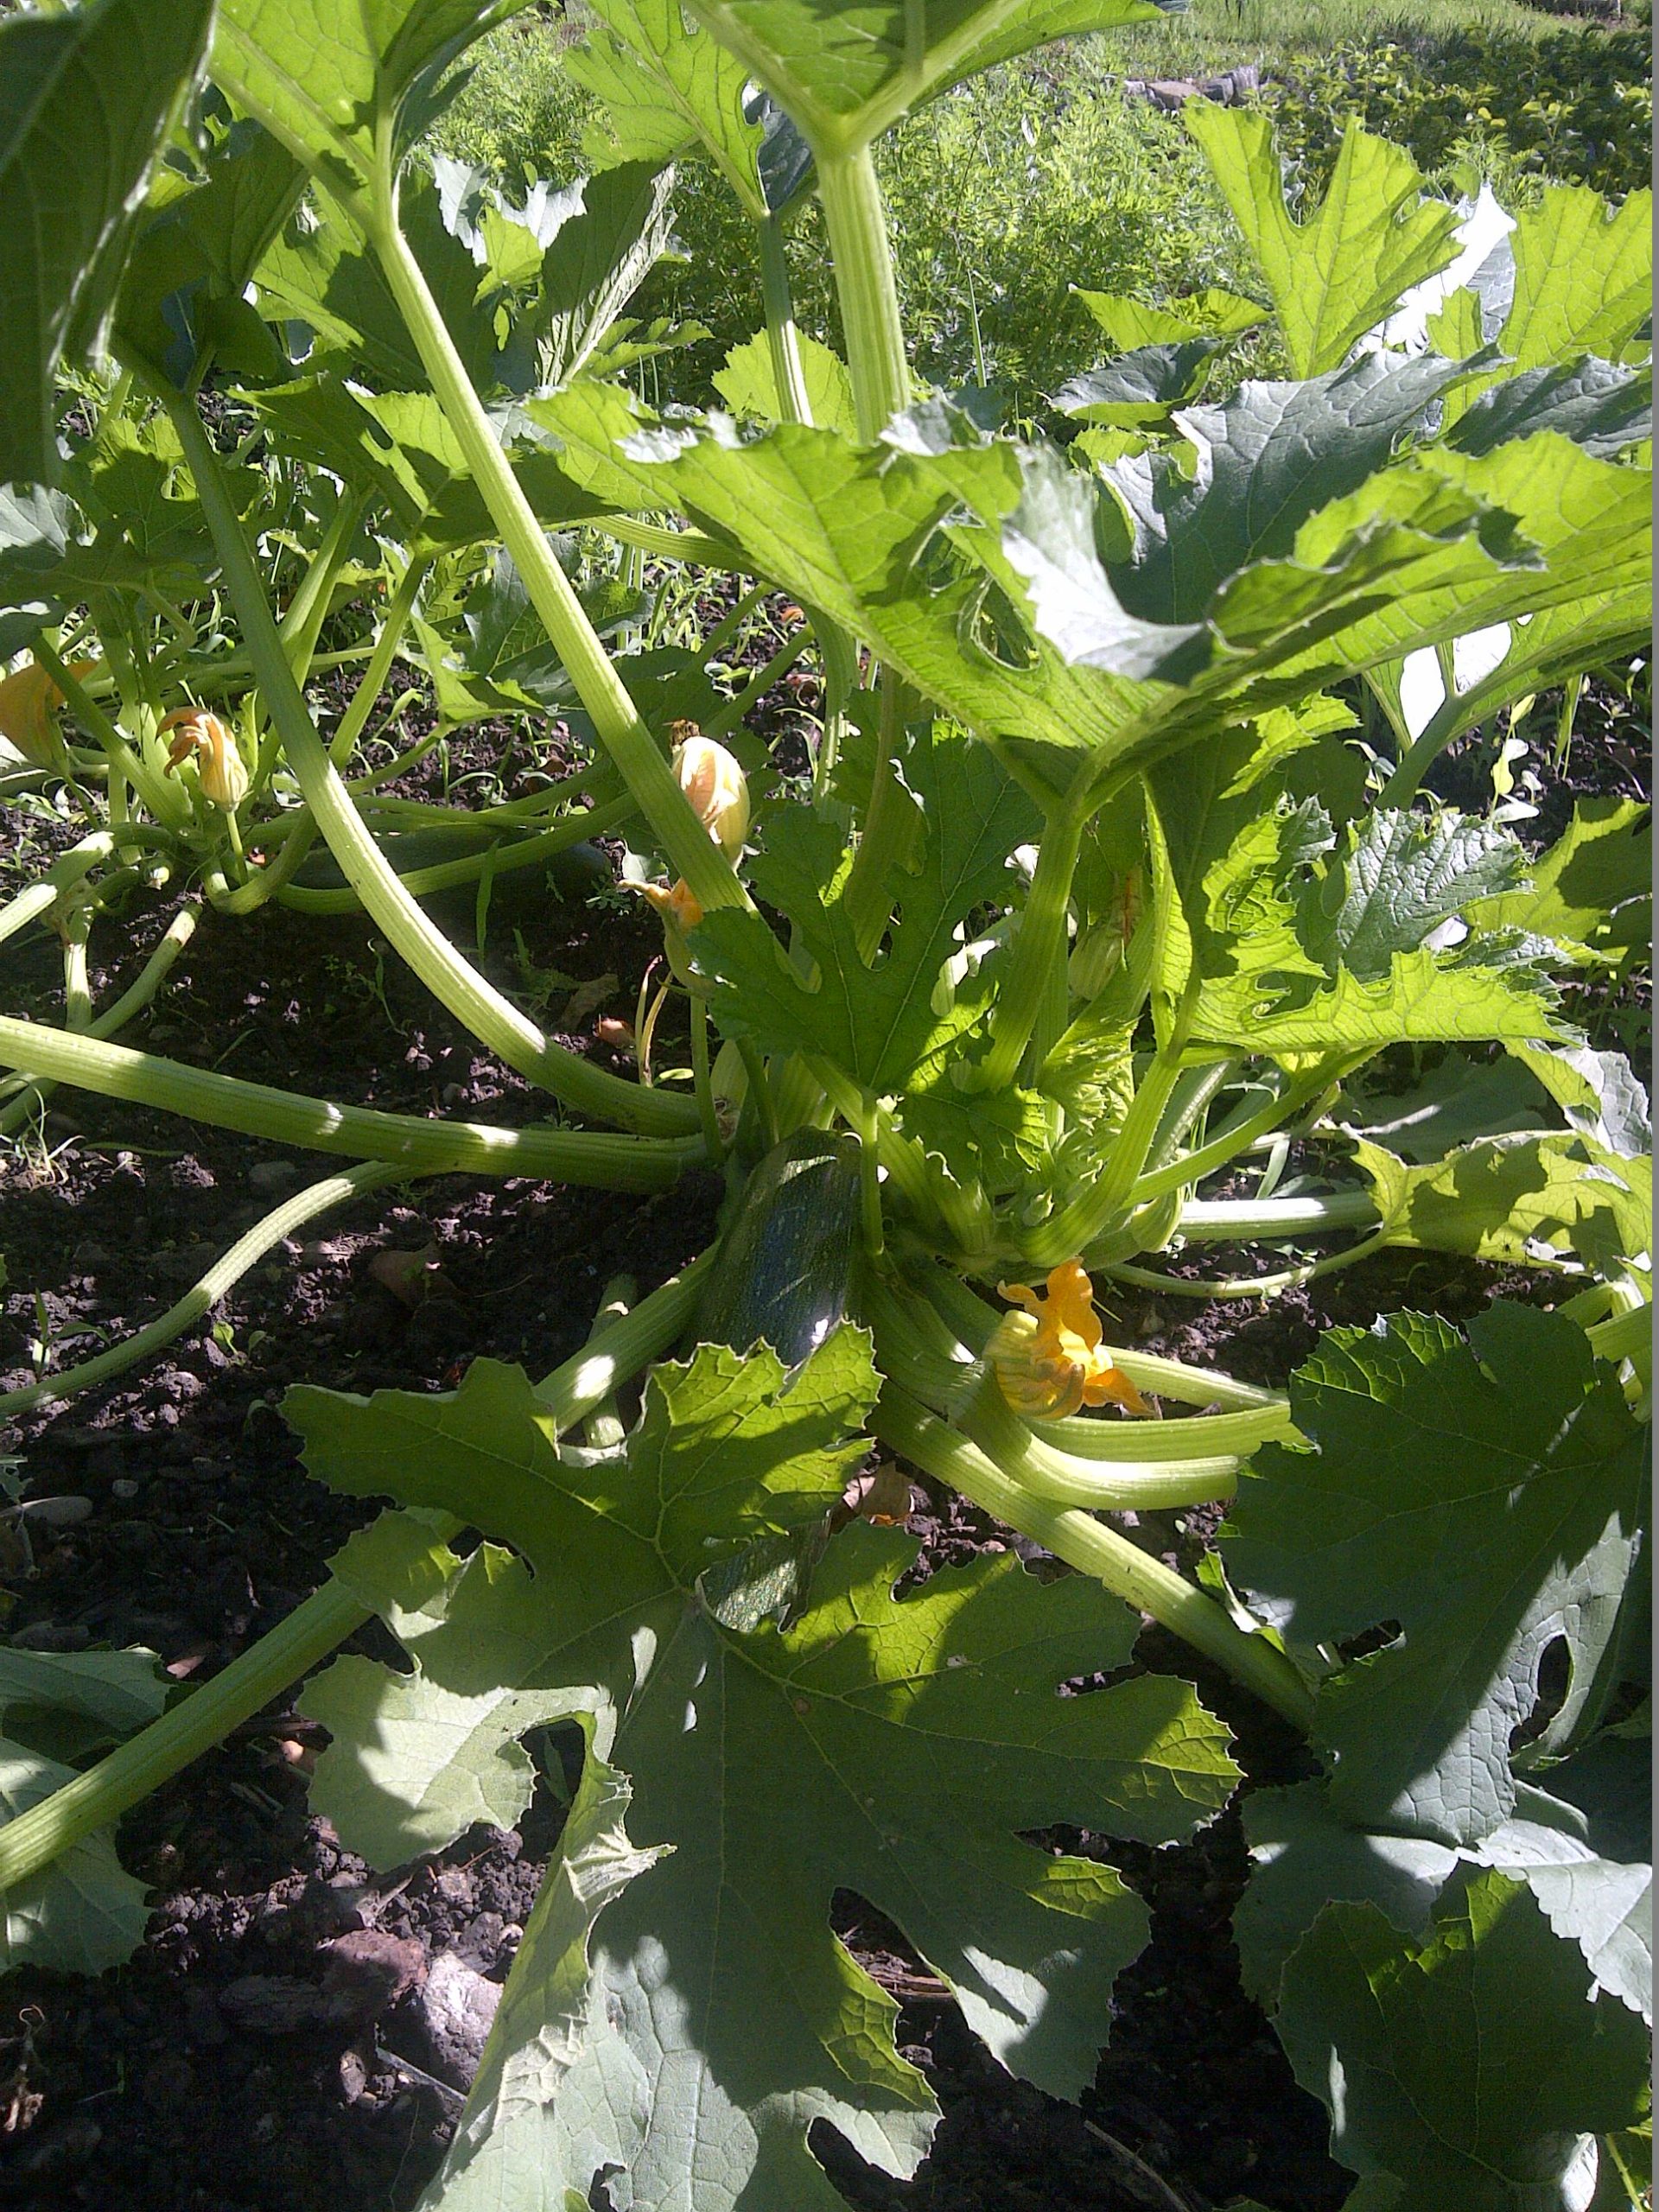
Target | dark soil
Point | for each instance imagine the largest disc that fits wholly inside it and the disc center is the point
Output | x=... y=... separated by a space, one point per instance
x=265 y=2049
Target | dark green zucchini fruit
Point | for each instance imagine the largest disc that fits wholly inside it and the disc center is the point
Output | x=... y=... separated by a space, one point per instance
x=785 y=1262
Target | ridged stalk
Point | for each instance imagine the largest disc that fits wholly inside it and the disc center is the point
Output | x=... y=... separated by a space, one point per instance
x=206 y=1290
x=453 y=981
x=594 y=1159
x=1093 y=1549
x=642 y=761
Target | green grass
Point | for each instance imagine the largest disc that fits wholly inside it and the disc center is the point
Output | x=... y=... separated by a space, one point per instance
x=1041 y=175
x=1211 y=36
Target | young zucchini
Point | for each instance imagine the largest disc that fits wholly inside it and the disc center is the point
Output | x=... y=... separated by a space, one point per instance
x=786 y=1263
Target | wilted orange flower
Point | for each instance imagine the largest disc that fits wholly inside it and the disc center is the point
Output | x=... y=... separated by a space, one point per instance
x=220 y=769
x=1050 y=1360
x=678 y=904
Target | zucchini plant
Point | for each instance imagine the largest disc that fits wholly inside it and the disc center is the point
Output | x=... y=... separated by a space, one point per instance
x=1113 y=923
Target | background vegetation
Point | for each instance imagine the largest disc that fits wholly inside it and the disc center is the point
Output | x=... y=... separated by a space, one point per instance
x=1053 y=176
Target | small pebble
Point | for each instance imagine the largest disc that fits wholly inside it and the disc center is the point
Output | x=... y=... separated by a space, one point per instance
x=57 y=1512
x=457 y=2007
x=124 y=1489
x=271 y=1177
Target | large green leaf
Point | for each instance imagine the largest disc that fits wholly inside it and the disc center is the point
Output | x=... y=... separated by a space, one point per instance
x=1304 y=1857
x=517 y=2136
x=1262 y=463
x=204 y=234
x=1467 y=2067
x=87 y=99
x=82 y=1911
x=1334 y=275
x=1282 y=951
x=877 y=1018
x=665 y=85
x=324 y=78
x=845 y=72
x=748 y=383
x=1458 y=1101
x=1520 y=1198
x=1583 y=276
x=1594 y=887
x=1513 y=1464
x=898 y=1748
x=1402 y=878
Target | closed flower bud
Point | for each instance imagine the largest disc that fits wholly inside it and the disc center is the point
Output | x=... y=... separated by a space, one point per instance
x=220 y=770
x=711 y=778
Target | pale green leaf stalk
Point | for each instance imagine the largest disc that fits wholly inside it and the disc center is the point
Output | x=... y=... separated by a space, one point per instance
x=643 y=762
x=494 y=1020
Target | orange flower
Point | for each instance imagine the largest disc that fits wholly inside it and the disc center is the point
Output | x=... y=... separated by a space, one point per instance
x=220 y=768
x=678 y=906
x=1050 y=1360
x=28 y=708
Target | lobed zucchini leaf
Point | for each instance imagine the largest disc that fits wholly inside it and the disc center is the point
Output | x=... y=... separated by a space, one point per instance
x=1519 y=1200
x=1470 y=2067
x=1335 y=274
x=1514 y=1464
x=324 y=78
x=898 y=1748
x=880 y=1019
x=83 y=1911
x=666 y=85
x=846 y=72
x=1583 y=276
x=1592 y=890
x=87 y=100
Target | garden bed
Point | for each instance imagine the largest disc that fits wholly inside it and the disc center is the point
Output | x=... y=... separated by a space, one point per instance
x=270 y=2048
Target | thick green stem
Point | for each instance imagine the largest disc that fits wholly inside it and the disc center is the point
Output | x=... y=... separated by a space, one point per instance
x=137 y=995
x=493 y=1019
x=1093 y=1549
x=373 y=680
x=43 y=895
x=643 y=762
x=204 y=1718
x=702 y=1078
x=1076 y=1225
x=693 y=547
x=619 y=1348
x=1228 y=1143
x=867 y=289
x=1240 y=1221
x=1024 y=995
x=167 y=801
x=206 y=1290
x=886 y=832
x=1251 y=1286
x=593 y=1158
x=782 y=339
x=1148 y=1484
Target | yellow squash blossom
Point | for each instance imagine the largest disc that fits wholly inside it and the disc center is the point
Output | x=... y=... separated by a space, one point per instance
x=1050 y=1360
x=220 y=769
